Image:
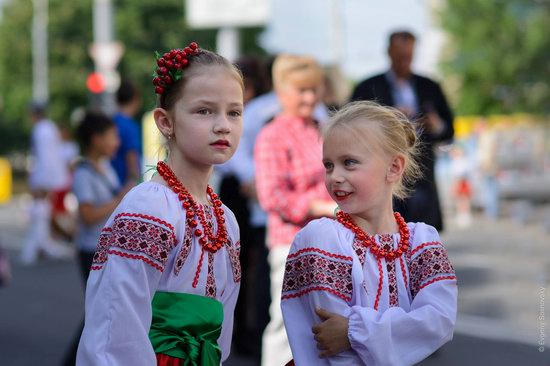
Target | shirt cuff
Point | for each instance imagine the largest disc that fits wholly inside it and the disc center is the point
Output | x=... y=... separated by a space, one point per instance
x=358 y=332
x=355 y=328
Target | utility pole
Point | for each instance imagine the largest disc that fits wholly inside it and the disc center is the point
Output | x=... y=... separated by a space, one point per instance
x=40 y=89
x=106 y=52
x=228 y=43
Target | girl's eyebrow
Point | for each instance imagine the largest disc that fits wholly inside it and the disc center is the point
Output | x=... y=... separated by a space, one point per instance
x=348 y=156
x=203 y=101
x=342 y=157
x=236 y=104
x=213 y=103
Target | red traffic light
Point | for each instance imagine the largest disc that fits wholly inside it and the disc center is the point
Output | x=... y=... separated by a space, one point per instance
x=95 y=83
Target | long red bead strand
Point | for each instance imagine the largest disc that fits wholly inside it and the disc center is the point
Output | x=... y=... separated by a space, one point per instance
x=194 y=211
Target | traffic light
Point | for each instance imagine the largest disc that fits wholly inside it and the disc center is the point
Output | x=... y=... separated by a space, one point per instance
x=95 y=83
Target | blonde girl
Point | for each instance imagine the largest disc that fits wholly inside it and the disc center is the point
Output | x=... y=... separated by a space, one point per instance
x=367 y=288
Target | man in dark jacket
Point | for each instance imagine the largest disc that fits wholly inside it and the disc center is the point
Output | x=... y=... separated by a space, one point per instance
x=422 y=100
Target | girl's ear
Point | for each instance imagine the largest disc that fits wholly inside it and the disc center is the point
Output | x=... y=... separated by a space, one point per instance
x=163 y=122
x=395 y=169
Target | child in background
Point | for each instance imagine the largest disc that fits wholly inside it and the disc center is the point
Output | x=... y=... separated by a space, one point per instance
x=165 y=277
x=367 y=288
x=95 y=184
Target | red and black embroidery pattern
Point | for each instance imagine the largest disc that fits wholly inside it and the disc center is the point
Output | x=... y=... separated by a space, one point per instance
x=135 y=233
x=360 y=250
x=100 y=255
x=210 y=279
x=136 y=256
x=408 y=254
x=234 y=251
x=404 y=272
x=209 y=217
x=430 y=265
x=184 y=250
x=386 y=242
x=312 y=269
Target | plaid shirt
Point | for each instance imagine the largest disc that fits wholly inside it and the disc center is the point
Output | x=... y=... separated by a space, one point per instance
x=289 y=175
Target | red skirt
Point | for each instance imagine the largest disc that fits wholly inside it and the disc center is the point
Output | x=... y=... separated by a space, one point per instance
x=57 y=200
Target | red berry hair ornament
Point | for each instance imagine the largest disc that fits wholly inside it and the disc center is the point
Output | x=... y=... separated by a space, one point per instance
x=170 y=66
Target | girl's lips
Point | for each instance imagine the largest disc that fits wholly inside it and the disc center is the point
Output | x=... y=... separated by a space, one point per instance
x=341 y=195
x=222 y=144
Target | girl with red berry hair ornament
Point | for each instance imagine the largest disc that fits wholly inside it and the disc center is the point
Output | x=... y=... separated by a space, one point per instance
x=165 y=276
x=367 y=288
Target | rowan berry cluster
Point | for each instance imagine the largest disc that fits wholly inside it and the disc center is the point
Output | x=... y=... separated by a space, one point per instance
x=170 y=66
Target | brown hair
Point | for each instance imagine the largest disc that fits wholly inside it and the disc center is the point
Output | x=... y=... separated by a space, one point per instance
x=397 y=135
x=285 y=65
x=203 y=58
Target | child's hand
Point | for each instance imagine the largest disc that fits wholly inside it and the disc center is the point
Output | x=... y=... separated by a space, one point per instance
x=332 y=334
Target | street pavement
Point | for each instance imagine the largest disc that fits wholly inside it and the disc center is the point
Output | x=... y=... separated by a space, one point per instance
x=503 y=270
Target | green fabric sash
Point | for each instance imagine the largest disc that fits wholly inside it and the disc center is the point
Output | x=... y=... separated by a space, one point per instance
x=187 y=326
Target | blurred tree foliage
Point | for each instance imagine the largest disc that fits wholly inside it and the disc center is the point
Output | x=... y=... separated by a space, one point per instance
x=69 y=34
x=15 y=73
x=142 y=26
x=499 y=52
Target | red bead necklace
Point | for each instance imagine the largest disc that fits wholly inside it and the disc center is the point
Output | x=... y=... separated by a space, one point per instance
x=207 y=239
x=368 y=240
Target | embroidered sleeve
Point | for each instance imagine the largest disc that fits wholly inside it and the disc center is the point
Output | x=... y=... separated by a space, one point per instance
x=313 y=269
x=137 y=237
x=429 y=264
x=315 y=278
x=405 y=337
x=132 y=253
